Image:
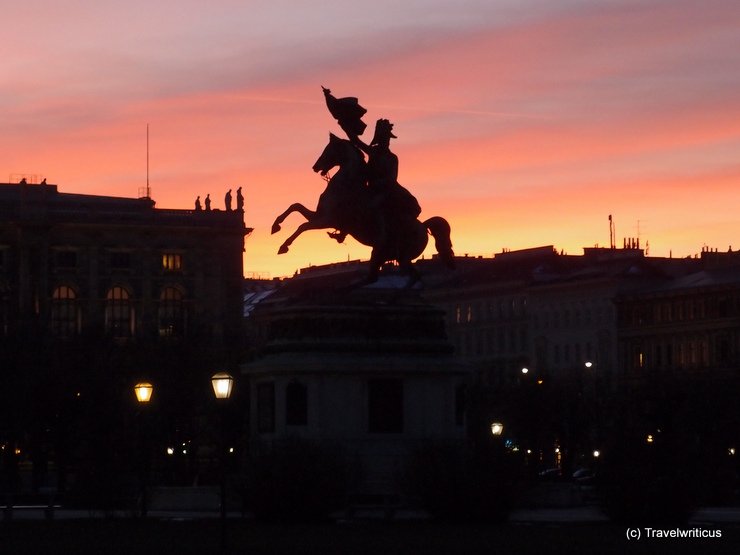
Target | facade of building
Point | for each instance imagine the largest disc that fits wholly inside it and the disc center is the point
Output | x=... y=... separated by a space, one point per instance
x=73 y=264
x=97 y=293
x=547 y=312
x=541 y=331
x=684 y=328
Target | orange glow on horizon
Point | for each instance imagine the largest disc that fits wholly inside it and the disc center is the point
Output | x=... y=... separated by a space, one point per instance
x=522 y=127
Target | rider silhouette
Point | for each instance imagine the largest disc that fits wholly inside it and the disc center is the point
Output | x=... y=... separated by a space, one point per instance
x=395 y=205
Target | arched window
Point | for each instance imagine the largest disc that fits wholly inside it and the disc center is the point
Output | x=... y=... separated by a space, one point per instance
x=171 y=313
x=65 y=314
x=119 y=313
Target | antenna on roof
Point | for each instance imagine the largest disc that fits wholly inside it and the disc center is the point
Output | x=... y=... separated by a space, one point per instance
x=611 y=233
x=146 y=192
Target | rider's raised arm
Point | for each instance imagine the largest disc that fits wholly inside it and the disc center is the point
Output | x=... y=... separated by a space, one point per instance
x=359 y=143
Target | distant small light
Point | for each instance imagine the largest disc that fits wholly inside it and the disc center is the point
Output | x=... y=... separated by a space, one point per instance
x=515 y=449
x=597 y=454
x=79 y=394
x=649 y=438
x=497 y=428
x=540 y=381
x=557 y=449
x=17 y=451
x=231 y=449
x=184 y=451
x=170 y=451
x=525 y=370
x=529 y=451
x=731 y=451
x=588 y=364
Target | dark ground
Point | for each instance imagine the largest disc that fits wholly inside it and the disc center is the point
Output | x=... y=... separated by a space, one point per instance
x=134 y=536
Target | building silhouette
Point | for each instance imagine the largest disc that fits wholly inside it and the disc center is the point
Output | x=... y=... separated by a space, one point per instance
x=96 y=293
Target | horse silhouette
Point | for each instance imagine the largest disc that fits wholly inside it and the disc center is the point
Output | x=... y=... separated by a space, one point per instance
x=348 y=205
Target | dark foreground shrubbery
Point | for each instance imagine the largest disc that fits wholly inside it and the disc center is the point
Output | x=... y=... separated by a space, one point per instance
x=296 y=481
x=651 y=484
x=457 y=485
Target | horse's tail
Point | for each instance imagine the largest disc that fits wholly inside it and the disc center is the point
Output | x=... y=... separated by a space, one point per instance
x=440 y=230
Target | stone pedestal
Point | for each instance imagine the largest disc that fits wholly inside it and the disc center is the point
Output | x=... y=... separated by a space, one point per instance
x=367 y=369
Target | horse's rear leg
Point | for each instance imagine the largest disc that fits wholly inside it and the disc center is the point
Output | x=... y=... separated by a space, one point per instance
x=305 y=226
x=295 y=207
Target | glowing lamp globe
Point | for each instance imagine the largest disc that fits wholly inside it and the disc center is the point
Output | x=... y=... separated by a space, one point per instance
x=143 y=391
x=497 y=428
x=222 y=385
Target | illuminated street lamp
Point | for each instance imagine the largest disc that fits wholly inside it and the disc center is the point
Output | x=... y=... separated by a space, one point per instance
x=497 y=428
x=525 y=370
x=588 y=364
x=222 y=384
x=143 y=391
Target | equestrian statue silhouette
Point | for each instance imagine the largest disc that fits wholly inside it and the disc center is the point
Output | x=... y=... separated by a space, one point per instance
x=364 y=199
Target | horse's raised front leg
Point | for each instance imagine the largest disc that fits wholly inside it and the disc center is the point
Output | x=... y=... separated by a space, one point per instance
x=295 y=207
x=305 y=226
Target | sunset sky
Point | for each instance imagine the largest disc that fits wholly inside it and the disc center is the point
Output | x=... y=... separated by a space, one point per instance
x=523 y=122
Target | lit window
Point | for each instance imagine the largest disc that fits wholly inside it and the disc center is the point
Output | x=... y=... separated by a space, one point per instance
x=119 y=313
x=172 y=262
x=65 y=320
x=171 y=313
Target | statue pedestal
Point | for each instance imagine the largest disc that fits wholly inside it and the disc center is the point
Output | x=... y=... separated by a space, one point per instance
x=369 y=370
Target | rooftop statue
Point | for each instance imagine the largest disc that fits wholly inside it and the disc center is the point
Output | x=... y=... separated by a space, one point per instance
x=364 y=199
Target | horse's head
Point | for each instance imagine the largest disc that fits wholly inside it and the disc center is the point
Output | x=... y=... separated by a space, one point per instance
x=337 y=153
x=329 y=157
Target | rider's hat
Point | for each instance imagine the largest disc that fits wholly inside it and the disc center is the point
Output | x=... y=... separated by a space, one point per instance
x=347 y=111
x=383 y=129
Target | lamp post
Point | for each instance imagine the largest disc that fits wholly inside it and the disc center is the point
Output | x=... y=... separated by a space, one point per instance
x=143 y=392
x=222 y=383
